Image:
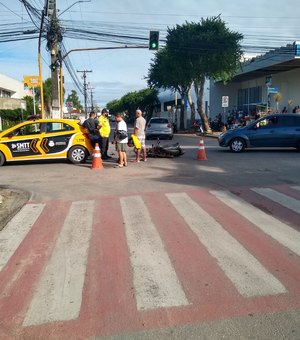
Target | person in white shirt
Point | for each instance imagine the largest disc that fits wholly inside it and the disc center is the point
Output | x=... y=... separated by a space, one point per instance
x=139 y=131
x=121 y=138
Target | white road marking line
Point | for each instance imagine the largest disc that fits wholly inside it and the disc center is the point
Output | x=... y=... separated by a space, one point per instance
x=16 y=230
x=243 y=269
x=155 y=280
x=278 y=230
x=284 y=200
x=59 y=292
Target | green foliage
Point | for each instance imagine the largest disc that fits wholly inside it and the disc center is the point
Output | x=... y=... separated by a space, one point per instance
x=144 y=100
x=73 y=97
x=195 y=51
x=209 y=47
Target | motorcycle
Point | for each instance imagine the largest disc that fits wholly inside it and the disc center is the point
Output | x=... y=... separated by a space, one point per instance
x=165 y=151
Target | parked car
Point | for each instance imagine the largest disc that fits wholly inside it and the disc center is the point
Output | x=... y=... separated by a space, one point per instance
x=159 y=128
x=45 y=139
x=277 y=130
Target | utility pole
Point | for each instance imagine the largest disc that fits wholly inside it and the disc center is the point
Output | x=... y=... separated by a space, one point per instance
x=92 y=97
x=54 y=37
x=85 y=90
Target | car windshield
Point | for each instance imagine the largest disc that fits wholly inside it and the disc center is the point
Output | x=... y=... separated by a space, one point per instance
x=159 y=121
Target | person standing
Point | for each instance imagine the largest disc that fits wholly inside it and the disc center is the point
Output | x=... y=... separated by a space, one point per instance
x=104 y=133
x=121 y=139
x=92 y=126
x=139 y=131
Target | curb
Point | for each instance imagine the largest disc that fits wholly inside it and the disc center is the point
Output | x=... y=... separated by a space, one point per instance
x=11 y=202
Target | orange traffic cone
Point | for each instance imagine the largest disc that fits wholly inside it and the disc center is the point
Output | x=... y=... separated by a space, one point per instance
x=97 y=160
x=201 y=156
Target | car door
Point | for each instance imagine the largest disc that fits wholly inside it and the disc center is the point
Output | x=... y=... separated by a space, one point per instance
x=56 y=139
x=288 y=134
x=264 y=133
x=23 y=142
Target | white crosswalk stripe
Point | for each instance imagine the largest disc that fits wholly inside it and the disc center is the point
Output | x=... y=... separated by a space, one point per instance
x=278 y=230
x=296 y=188
x=58 y=294
x=155 y=280
x=247 y=274
x=16 y=230
x=284 y=200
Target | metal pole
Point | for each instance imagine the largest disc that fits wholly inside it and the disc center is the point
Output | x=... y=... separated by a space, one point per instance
x=41 y=68
x=104 y=48
x=61 y=90
x=34 y=109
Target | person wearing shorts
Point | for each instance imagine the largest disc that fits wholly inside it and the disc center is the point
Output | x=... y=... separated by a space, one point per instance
x=121 y=139
x=139 y=131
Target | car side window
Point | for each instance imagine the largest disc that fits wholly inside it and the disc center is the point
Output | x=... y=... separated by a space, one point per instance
x=29 y=129
x=267 y=123
x=286 y=121
x=53 y=127
x=297 y=121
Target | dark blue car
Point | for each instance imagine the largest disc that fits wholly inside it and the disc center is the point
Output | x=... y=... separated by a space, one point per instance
x=277 y=130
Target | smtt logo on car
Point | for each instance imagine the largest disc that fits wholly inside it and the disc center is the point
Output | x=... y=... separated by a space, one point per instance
x=21 y=146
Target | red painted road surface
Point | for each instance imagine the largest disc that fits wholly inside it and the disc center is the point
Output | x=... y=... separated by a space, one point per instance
x=108 y=297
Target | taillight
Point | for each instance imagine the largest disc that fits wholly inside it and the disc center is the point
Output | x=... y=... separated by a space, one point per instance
x=86 y=135
x=169 y=126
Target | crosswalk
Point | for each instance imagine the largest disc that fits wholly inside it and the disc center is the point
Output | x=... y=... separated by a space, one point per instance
x=60 y=262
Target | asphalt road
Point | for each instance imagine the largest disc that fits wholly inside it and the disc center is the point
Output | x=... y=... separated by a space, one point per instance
x=222 y=170
x=56 y=184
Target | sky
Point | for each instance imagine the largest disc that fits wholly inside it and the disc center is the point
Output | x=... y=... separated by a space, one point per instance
x=264 y=24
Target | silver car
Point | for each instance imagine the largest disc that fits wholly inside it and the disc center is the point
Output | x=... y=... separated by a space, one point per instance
x=159 y=128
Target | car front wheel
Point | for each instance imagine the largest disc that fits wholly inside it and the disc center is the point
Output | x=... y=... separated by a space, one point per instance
x=2 y=159
x=77 y=155
x=237 y=145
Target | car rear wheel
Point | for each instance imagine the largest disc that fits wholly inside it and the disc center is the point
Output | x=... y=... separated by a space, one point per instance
x=237 y=145
x=77 y=155
x=2 y=159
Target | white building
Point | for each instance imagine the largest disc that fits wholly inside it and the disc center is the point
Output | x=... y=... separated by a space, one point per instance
x=11 y=92
x=255 y=85
x=170 y=105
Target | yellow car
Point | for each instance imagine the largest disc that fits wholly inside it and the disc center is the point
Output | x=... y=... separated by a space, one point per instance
x=45 y=139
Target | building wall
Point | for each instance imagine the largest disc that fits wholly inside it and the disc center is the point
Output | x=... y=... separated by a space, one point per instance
x=168 y=98
x=12 y=88
x=287 y=82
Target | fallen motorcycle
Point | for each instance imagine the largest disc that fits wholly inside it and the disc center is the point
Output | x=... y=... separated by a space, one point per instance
x=165 y=151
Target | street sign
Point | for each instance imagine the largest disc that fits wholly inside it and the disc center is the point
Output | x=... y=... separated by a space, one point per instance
x=70 y=107
x=273 y=89
x=32 y=81
x=269 y=80
x=225 y=101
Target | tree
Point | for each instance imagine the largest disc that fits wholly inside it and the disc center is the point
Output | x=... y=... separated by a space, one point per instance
x=194 y=52
x=167 y=71
x=73 y=97
x=144 y=100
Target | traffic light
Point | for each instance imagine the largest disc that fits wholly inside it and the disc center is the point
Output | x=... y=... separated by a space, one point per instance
x=153 y=40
